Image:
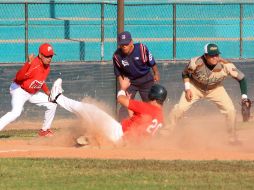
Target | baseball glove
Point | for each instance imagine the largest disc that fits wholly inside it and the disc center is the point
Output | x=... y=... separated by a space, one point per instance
x=246 y=105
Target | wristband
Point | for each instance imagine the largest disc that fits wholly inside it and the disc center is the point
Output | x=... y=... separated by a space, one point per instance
x=187 y=85
x=244 y=96
x=121 y=93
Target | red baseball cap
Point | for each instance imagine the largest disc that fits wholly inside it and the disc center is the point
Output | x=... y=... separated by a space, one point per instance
x=46 y=50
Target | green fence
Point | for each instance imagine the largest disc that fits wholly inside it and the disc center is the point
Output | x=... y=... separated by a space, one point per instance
x=87 y=31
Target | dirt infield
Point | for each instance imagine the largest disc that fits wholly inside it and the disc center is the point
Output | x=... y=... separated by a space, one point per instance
x=199 y=140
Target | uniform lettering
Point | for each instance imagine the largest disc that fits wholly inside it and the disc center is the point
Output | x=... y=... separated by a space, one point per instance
x=125 y=62
x=150 y=57
x=36 y=84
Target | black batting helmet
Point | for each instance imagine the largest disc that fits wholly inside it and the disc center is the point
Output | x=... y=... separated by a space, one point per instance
x=157 y=92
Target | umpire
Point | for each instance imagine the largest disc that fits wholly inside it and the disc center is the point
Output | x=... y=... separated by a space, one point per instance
x=203 y=77
x=135 y=62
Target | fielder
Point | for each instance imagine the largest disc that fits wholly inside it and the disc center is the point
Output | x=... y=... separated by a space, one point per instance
x=203 y=77
x=134 y=61
x=26 y=85
x=146 y=120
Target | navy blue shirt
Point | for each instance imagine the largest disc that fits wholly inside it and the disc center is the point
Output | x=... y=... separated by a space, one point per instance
x=135 y=65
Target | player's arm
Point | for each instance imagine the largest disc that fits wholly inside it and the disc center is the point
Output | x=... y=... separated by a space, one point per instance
x=21 y=74
x=243 y=84
x=123 y=97
x=151 y=63
x=243 y=88
x=31 y=57
x=239 y=76
x=156 y=73
x=245 y=102
x=120 y=79
x=186 y=81
x=117 y=68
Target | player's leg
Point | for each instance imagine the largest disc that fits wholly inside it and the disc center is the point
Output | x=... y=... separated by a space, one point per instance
x=221 y=98
x=69 y=104
x=143 y=85
x=184 y=105
x=144 y=90
x=66 y=103
x=41 y=99
x=19 y=97
x=92 y=115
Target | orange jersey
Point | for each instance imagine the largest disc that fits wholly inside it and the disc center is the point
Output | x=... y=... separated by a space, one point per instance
x=32 y=77
x=145 y=121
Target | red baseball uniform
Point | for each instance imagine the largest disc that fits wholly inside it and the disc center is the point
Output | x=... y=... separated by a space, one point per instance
x=145 y=121
x=26 y=85
x=32 y=77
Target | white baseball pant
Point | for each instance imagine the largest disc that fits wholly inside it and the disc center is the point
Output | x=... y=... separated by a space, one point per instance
x=19 y=97
x=95 y=116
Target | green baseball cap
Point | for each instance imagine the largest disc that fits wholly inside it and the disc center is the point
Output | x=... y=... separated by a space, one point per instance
x=211 y=49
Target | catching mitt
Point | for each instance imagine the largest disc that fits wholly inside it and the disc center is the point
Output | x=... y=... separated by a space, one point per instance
x=246 y=105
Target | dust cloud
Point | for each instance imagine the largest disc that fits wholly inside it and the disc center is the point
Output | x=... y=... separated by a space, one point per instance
x=81 y=126
x=206 y=132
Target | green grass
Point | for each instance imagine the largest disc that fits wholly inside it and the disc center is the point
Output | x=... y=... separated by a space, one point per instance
x=124 y=174
x=20 y=133
x=14 y=133
x=36 y=174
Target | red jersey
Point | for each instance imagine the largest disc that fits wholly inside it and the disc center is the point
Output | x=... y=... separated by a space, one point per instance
x=32 y=77
x=145 y=121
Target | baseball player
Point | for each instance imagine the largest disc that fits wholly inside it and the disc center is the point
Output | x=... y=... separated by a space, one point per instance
x=145 y=122
x=135 y=62
x=26 y=85
x=203 y=77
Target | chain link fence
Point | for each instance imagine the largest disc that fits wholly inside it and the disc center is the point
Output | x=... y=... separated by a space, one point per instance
x=87 y=31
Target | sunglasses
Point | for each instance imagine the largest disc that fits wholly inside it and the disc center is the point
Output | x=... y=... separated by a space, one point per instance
x=47 y=57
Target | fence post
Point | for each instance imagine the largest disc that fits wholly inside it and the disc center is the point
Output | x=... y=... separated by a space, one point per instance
x=67 y=29
x=174 y=31
x=52 y=9
x=241 y=31
x=26 y=31
x=102 y=31
x=120 y=16
x=120 y=28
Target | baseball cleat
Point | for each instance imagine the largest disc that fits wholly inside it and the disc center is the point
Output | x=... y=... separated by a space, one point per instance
x=82 y=141
x=56 y=90
x=47 y=133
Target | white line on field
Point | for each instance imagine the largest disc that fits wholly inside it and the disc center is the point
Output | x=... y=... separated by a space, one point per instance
x=14 y=150
x=23 y=150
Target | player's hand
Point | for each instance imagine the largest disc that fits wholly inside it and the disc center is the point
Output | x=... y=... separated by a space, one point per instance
x=128 y=95
x=156 y=77
x=188 y=95
x=124 y=83
x=31 y=58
